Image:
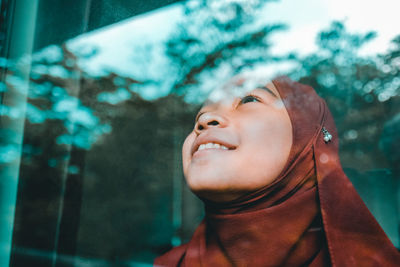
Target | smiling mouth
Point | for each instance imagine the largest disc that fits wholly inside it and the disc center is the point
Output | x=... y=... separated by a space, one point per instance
x=214 y=146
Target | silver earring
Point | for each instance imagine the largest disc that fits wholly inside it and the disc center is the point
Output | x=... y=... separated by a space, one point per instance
x=327 y=135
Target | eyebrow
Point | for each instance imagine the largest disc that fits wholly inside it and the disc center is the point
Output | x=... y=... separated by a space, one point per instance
x=198 y=115
x=268 y=90
x=259 y=87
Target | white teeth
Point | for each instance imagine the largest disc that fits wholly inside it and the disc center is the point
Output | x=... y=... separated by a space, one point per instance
x=211 y=145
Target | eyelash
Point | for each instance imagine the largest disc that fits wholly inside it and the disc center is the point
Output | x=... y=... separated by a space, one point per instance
x=241 y=102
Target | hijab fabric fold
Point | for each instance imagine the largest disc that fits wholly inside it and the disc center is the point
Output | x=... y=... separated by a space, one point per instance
x=310 y=215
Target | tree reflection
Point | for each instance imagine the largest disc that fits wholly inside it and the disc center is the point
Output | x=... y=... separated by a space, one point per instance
x=216 y=40
x=361 y=91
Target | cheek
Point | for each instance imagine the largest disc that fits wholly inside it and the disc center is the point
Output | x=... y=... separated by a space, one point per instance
x=186 y=150
x=270 y=144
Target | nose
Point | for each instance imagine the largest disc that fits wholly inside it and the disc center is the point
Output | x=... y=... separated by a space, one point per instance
x=209 y=120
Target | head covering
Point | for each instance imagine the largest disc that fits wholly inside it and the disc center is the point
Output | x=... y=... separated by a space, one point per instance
x=310 y=215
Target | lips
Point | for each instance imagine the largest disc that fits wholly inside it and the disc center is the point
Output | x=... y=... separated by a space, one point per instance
x=214 y=141
x=211 y=145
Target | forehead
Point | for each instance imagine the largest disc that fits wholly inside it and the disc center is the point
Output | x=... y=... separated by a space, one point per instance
x=231 y=91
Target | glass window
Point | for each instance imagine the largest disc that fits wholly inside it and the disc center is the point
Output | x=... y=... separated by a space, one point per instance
x=97 y=97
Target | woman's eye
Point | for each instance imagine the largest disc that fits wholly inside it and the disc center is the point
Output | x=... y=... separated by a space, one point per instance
x=248 y=99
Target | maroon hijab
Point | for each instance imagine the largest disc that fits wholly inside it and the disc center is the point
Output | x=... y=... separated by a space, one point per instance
x=309 y=216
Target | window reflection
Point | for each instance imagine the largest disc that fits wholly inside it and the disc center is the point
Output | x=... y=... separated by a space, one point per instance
x=91 y=128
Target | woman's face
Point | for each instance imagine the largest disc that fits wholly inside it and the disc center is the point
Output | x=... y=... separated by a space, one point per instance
x=238 y=144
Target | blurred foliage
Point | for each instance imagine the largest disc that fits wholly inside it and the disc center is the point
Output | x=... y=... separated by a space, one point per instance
x=216 y=40
x=119 y=145
x=361 y=91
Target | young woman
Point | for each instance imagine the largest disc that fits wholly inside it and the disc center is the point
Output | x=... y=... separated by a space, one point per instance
x=266 y=166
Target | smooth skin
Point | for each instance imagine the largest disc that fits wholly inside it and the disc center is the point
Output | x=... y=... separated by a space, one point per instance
x=256 y=128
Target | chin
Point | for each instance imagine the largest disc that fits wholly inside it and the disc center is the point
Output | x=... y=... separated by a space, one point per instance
x=207 y=183
x=206 y=177
x=212 y=187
